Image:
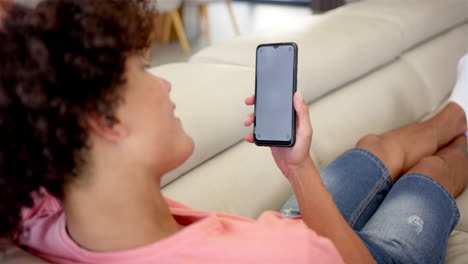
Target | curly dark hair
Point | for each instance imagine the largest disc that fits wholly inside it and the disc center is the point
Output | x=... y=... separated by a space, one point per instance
x=59 y=62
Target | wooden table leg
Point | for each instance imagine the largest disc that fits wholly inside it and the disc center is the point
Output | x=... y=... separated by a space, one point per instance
x=233 y=17
x=204 y=13
x=177 y=21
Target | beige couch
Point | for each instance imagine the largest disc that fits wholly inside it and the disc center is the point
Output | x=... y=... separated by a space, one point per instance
x=368 y=67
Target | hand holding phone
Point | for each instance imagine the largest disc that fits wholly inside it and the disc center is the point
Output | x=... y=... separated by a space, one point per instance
x=289 y=159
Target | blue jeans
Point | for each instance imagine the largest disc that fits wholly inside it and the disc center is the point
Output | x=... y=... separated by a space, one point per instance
x=409 y=222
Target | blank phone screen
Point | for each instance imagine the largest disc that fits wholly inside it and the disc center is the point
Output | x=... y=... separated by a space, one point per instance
x=274 y=93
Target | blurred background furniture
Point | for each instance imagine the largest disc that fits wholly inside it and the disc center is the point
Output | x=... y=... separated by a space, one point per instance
x=169 y=18
x=204 y=15
x=316 y=5
x=325 y=5
x=282 y=2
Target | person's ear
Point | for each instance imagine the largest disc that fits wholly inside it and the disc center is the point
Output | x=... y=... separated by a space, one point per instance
x=106 y=127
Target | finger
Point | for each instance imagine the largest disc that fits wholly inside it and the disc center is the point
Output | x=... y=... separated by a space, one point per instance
x=249 y=121
x=249 y=138
x=250 y=100
x=302 y=112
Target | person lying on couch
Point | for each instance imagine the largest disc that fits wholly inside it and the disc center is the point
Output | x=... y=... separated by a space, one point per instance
x=88 y=134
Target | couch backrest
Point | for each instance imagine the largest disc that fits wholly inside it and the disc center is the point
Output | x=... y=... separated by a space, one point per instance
x=349 y=42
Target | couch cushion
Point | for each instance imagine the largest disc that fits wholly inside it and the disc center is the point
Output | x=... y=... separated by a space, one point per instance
x=243 y=180
x=457 y=251
x=387 y=99
x=333 y=49
x=419 y=20
x=400 y=24
x=436 y=62
x=241 y=50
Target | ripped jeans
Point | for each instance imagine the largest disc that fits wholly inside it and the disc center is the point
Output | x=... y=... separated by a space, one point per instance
x=409 y=222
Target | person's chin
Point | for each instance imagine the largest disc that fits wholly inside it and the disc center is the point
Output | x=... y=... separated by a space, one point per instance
x=185 y=150
x=190 y=145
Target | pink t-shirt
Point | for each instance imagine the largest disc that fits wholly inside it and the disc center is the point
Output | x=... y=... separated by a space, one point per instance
x=207 y=238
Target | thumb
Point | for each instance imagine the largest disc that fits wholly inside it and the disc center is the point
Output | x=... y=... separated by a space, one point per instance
x=302 y=112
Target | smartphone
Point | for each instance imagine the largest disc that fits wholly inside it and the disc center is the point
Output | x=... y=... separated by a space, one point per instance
x=275 y=85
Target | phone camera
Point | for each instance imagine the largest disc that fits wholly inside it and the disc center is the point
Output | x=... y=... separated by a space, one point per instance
x=275 y=46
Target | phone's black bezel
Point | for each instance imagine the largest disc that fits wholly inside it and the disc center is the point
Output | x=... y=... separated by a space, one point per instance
x=271 y=143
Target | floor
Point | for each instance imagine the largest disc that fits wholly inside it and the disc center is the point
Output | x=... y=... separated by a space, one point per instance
x=251 y=17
